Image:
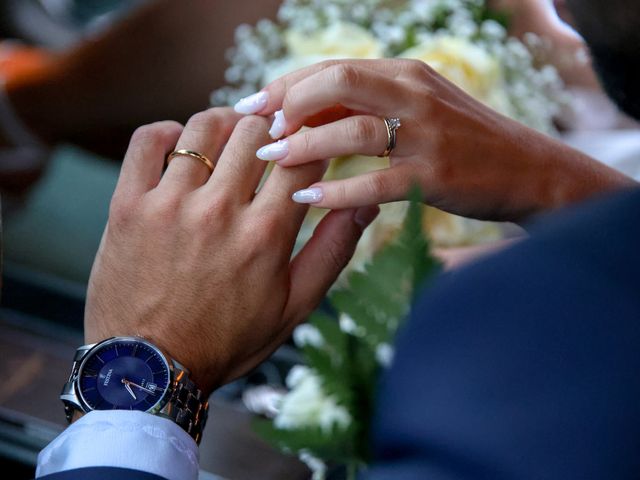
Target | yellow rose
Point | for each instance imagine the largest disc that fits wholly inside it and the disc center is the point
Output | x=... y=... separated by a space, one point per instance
x=340 y=40
x=470 y=67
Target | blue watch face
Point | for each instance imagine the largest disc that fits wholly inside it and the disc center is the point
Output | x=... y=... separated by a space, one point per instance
x=123 y=374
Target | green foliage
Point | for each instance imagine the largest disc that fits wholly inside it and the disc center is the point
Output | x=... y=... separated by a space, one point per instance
x=376 y=302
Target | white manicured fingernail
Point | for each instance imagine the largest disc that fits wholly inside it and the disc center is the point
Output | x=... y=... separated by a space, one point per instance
x=308 y=195
x=252 y=104
x=274 y=151
x=279 y=125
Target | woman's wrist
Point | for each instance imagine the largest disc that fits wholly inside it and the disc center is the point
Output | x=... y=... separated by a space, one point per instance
x=564 y=176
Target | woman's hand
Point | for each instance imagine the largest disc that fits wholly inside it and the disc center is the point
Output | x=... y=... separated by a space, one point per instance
x=467 y=159
x=199 y=263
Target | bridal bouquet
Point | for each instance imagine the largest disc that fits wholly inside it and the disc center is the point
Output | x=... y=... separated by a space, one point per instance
x=462 y=39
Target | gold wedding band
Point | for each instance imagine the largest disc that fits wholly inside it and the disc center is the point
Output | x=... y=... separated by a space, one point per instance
x=192 y=154
x=392 y=125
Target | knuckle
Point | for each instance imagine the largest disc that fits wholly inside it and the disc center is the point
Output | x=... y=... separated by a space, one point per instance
x=206 y=121
x=345 y=75
x=304 y=144
x=122 y=209
x=216 y=212
x=378 y=185
x=294 y=96
x=163 y=208
x=336 y=255
x=339 y=193
x=363 y=130
x=152 y=133
x=270 y=226
x=329 y=63
x=264 y=231
x=418 y=68
x=252 y=125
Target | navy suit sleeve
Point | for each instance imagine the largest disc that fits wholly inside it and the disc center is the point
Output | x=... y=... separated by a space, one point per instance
x=102 y=473
x=526 y=365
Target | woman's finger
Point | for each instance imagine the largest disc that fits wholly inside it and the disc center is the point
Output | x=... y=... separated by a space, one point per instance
x=381 y=186
x=205 y=133
x=362 y=134
x=270 y=99
x=331 y=114
x=353 y=87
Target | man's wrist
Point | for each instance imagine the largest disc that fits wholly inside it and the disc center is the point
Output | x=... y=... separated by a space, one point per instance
x=180 y=353
x=77 y=415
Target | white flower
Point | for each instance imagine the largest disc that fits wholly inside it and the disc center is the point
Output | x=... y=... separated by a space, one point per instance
x=493 y=30
x=307 y=334
x=349 y=326
x=308 y=405
x=297 y=375
x=461 y=24
x=339 y=40
x=384 y=354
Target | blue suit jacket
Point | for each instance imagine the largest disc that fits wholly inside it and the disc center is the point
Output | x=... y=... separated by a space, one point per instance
x=526 y=365
x=523 y=366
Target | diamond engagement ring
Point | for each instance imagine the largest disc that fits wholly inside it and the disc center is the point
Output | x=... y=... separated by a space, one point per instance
x=392 y=125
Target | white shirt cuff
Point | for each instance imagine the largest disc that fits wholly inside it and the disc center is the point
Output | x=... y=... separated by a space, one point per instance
x=126 y=439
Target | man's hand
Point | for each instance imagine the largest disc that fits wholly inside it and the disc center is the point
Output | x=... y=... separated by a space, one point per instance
x=201 y=264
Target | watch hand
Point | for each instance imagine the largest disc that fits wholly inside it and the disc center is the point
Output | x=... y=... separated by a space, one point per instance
x=128 y=387
x=142 y=388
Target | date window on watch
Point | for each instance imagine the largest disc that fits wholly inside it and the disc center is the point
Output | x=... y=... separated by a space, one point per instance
x=152 y=386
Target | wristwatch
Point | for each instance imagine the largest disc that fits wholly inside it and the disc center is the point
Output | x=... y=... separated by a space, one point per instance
x=130 y=373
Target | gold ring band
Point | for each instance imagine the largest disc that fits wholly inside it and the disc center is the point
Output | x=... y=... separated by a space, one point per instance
x=392 y=125
x=192 y=154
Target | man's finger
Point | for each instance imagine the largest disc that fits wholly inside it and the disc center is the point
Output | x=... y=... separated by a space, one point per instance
x=239 y=171
x=205 y=133
x=143 y=163
x=274 y=198
x=319 y=263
